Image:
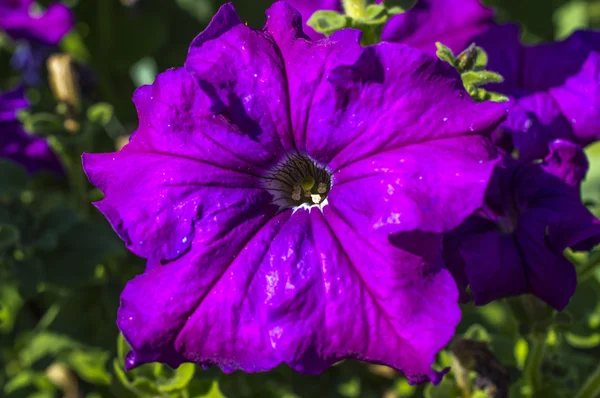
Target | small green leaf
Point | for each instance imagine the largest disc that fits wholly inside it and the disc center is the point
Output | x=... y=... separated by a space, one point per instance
x=479 y=78
x=144 y=71
x=10 y=304
x=496 y=97
x=145 y=386
x=376 y=14
x=327 y=22
x=583 y=342
x=473 y=58
x=122 y=349
x=120 y=372
x=180 y=379
x=446 y=389
x=478 y=333
x=204 y=389
x=445 y=54
x=90 y=365
x=101 y=113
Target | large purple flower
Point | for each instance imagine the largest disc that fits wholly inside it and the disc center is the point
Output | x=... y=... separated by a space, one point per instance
x=554 y=88
x=289 y=196
x=20 y=22
x=16 y=144
x=516 y=245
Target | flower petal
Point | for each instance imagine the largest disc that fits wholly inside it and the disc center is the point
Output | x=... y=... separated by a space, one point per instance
x=48 y=27
x=176 y=169
x=550 y=275
x=579 y=100
x=432 y=186
x=535 y=120
x=383 y=97
x=16 y=144
x=294 y=294
x=439 y=20
x=308 y=7
x=242 y=72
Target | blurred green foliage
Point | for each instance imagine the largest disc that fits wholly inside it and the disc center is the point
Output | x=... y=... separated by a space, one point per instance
x=62 y=268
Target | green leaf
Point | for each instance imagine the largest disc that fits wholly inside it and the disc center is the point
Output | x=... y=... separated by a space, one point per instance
x=122 y=348
x=376 y=14
x=495 y=97
x=479 y=78
x=46 y=344
x=9 y=236
x=90 y=365
x=180 y=379
x=478 y=333
x=446 y=389
x=101 y=113
x=583 y=342
x=144 y=71
x=204 y=389
x=473 y=58
x=327 y=22
x=121 y=375
x=399 y=6
x=14 y=179
x=445 y=54
x=10 y=304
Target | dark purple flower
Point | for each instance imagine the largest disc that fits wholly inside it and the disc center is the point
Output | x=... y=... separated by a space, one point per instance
x=20 y=22
x=534 y=212
x=289 y=196
x=16 y=144
x=554 y=88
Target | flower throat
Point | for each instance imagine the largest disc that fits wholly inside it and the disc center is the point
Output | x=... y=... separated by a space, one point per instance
x=298 y=182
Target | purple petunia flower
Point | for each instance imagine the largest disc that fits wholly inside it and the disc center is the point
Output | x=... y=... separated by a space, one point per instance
x=554 y=88
x=20 y=22
x=290 y=196
x=516 y=245
x=16 y=144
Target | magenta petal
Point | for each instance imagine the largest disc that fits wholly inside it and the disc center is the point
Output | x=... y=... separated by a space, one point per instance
x=174 y=170
x=493 y=266
x=295 y=294
x=47 y=28
x=454 y=24
x=352 y=115
x=308 y=7
x=579 y=100
x=432 y=186
x=241 y=71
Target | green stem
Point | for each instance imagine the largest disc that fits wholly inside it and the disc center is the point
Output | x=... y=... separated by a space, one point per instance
x=355 y=9
x=531 y=372
x=591 y=388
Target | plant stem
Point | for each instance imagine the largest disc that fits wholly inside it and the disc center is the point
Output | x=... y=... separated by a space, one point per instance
x=355 y=9
x=591 y=388
x=531 y=372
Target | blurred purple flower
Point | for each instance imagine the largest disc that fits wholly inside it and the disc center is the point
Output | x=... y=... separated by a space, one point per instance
x=36 y=34
x=16 y=144
x=554 y=88
x=534 y=212
x=19 y=21
x=290 y=197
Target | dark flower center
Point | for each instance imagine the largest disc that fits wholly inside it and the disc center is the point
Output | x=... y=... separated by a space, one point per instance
x=298 y=181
